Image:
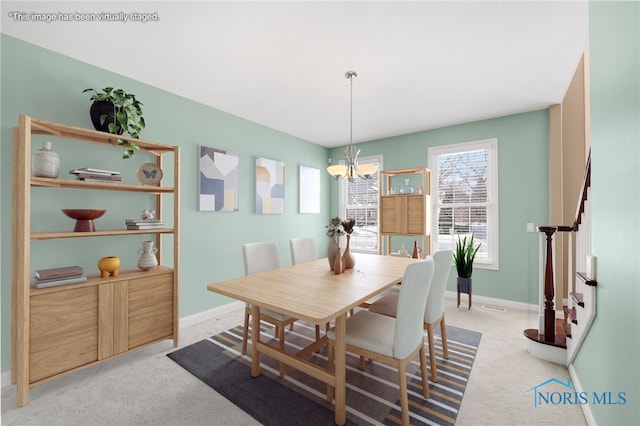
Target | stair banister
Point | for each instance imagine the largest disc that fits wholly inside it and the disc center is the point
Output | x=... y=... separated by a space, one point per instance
x=549 y=287
x=579 y=248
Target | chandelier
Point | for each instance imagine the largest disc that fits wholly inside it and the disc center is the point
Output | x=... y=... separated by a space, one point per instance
x=350 y=169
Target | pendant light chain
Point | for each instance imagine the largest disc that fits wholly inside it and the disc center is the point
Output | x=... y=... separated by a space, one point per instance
x=351 y=170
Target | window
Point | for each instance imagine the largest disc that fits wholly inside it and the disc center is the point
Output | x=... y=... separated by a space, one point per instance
x=465 y=197
x=359 y=200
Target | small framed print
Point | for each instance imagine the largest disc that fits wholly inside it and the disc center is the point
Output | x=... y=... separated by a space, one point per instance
x=219 y=180
x=269 y=186
x=149 y=174
x=309 y=189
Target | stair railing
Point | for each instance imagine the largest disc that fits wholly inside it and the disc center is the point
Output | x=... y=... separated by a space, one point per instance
x=582 y=237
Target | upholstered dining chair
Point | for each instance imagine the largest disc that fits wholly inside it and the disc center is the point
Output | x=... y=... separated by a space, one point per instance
x=392 y=340
x=260 y=257
x=303 y=250
x=434 y=311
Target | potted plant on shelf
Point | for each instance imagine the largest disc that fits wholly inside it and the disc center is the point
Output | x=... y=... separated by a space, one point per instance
x=463 y=256
x=117 y=112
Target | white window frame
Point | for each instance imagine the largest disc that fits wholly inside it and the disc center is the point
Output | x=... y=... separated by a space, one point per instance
x=490 y=259
x=342 y=199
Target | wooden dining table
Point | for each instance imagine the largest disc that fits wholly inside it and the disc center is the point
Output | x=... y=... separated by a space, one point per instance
x=313 y=293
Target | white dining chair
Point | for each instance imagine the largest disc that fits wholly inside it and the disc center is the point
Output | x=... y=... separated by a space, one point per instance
x=434 y=311
x=303 y=250
x=392 y=340
x=260 y=257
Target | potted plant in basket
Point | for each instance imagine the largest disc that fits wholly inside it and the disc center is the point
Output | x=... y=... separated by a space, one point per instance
x=463 y=256
x=116 y=111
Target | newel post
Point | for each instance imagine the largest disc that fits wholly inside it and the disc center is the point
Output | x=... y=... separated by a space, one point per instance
x=549 y=287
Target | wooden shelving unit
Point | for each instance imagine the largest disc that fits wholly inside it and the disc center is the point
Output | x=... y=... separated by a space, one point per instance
x=58 y=330
x=405 y=214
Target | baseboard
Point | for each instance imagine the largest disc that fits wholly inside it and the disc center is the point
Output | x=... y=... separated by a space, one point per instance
x=494 y=302
x=5 y=380
x=586 y=409
x=5 y=377
x=210 y=313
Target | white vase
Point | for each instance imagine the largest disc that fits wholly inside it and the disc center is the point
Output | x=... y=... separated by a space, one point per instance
x=46 y=163
x=147 y=256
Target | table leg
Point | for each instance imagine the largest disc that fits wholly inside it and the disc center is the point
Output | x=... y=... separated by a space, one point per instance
x=255 y=339
x=340 y=369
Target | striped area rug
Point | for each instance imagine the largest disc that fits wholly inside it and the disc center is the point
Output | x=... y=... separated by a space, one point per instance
x=372 y=394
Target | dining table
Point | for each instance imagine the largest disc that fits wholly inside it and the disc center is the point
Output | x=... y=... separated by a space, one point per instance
x=313 y=293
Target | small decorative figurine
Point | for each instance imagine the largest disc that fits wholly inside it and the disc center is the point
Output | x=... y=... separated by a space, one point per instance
x=148 y=214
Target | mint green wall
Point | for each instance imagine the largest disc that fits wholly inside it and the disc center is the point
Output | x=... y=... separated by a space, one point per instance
x=609 y=360
x=48 y=85
x=523 y=165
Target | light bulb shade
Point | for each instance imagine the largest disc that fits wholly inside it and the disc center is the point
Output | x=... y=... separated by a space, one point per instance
x=337 y=171
x=367 y=170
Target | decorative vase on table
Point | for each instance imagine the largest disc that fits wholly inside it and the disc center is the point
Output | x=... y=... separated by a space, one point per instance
x=46 y=163
x=338 y=264
x=348 y=257
x=147 y=253
x=332 y=247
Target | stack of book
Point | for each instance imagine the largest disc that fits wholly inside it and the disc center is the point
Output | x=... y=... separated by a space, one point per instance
x=58 y=276
x=96 y=175
x=144 y=224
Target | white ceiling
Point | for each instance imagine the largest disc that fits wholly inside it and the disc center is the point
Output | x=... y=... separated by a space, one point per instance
x=421 y=65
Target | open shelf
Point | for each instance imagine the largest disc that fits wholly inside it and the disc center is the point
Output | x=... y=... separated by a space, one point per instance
x=54 y=235
x=81 y=184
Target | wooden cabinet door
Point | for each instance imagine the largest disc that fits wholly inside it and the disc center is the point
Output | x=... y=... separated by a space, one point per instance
x=391 y=215
x=112 y=319
x=150 y=307
x=403 y=215
x=415 y=215
x=63 y=331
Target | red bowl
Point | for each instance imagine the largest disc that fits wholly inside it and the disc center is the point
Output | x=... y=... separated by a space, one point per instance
x=83 y=214
x=84 y=218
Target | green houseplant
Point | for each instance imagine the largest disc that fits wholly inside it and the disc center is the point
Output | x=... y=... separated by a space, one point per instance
x=463 y=256
x=116 y=111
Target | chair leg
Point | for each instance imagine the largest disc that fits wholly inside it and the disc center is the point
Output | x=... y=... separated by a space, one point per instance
x=330 y=368
x=317 y=332
x=423 y=372
x=291 y=327
x=282 y=366
x=404 y=399
x=443 y=332
x=361 y=364
x=245 y=332
x=432 y=354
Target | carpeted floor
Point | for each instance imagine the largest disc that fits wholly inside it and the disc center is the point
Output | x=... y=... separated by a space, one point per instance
x=372 y=395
